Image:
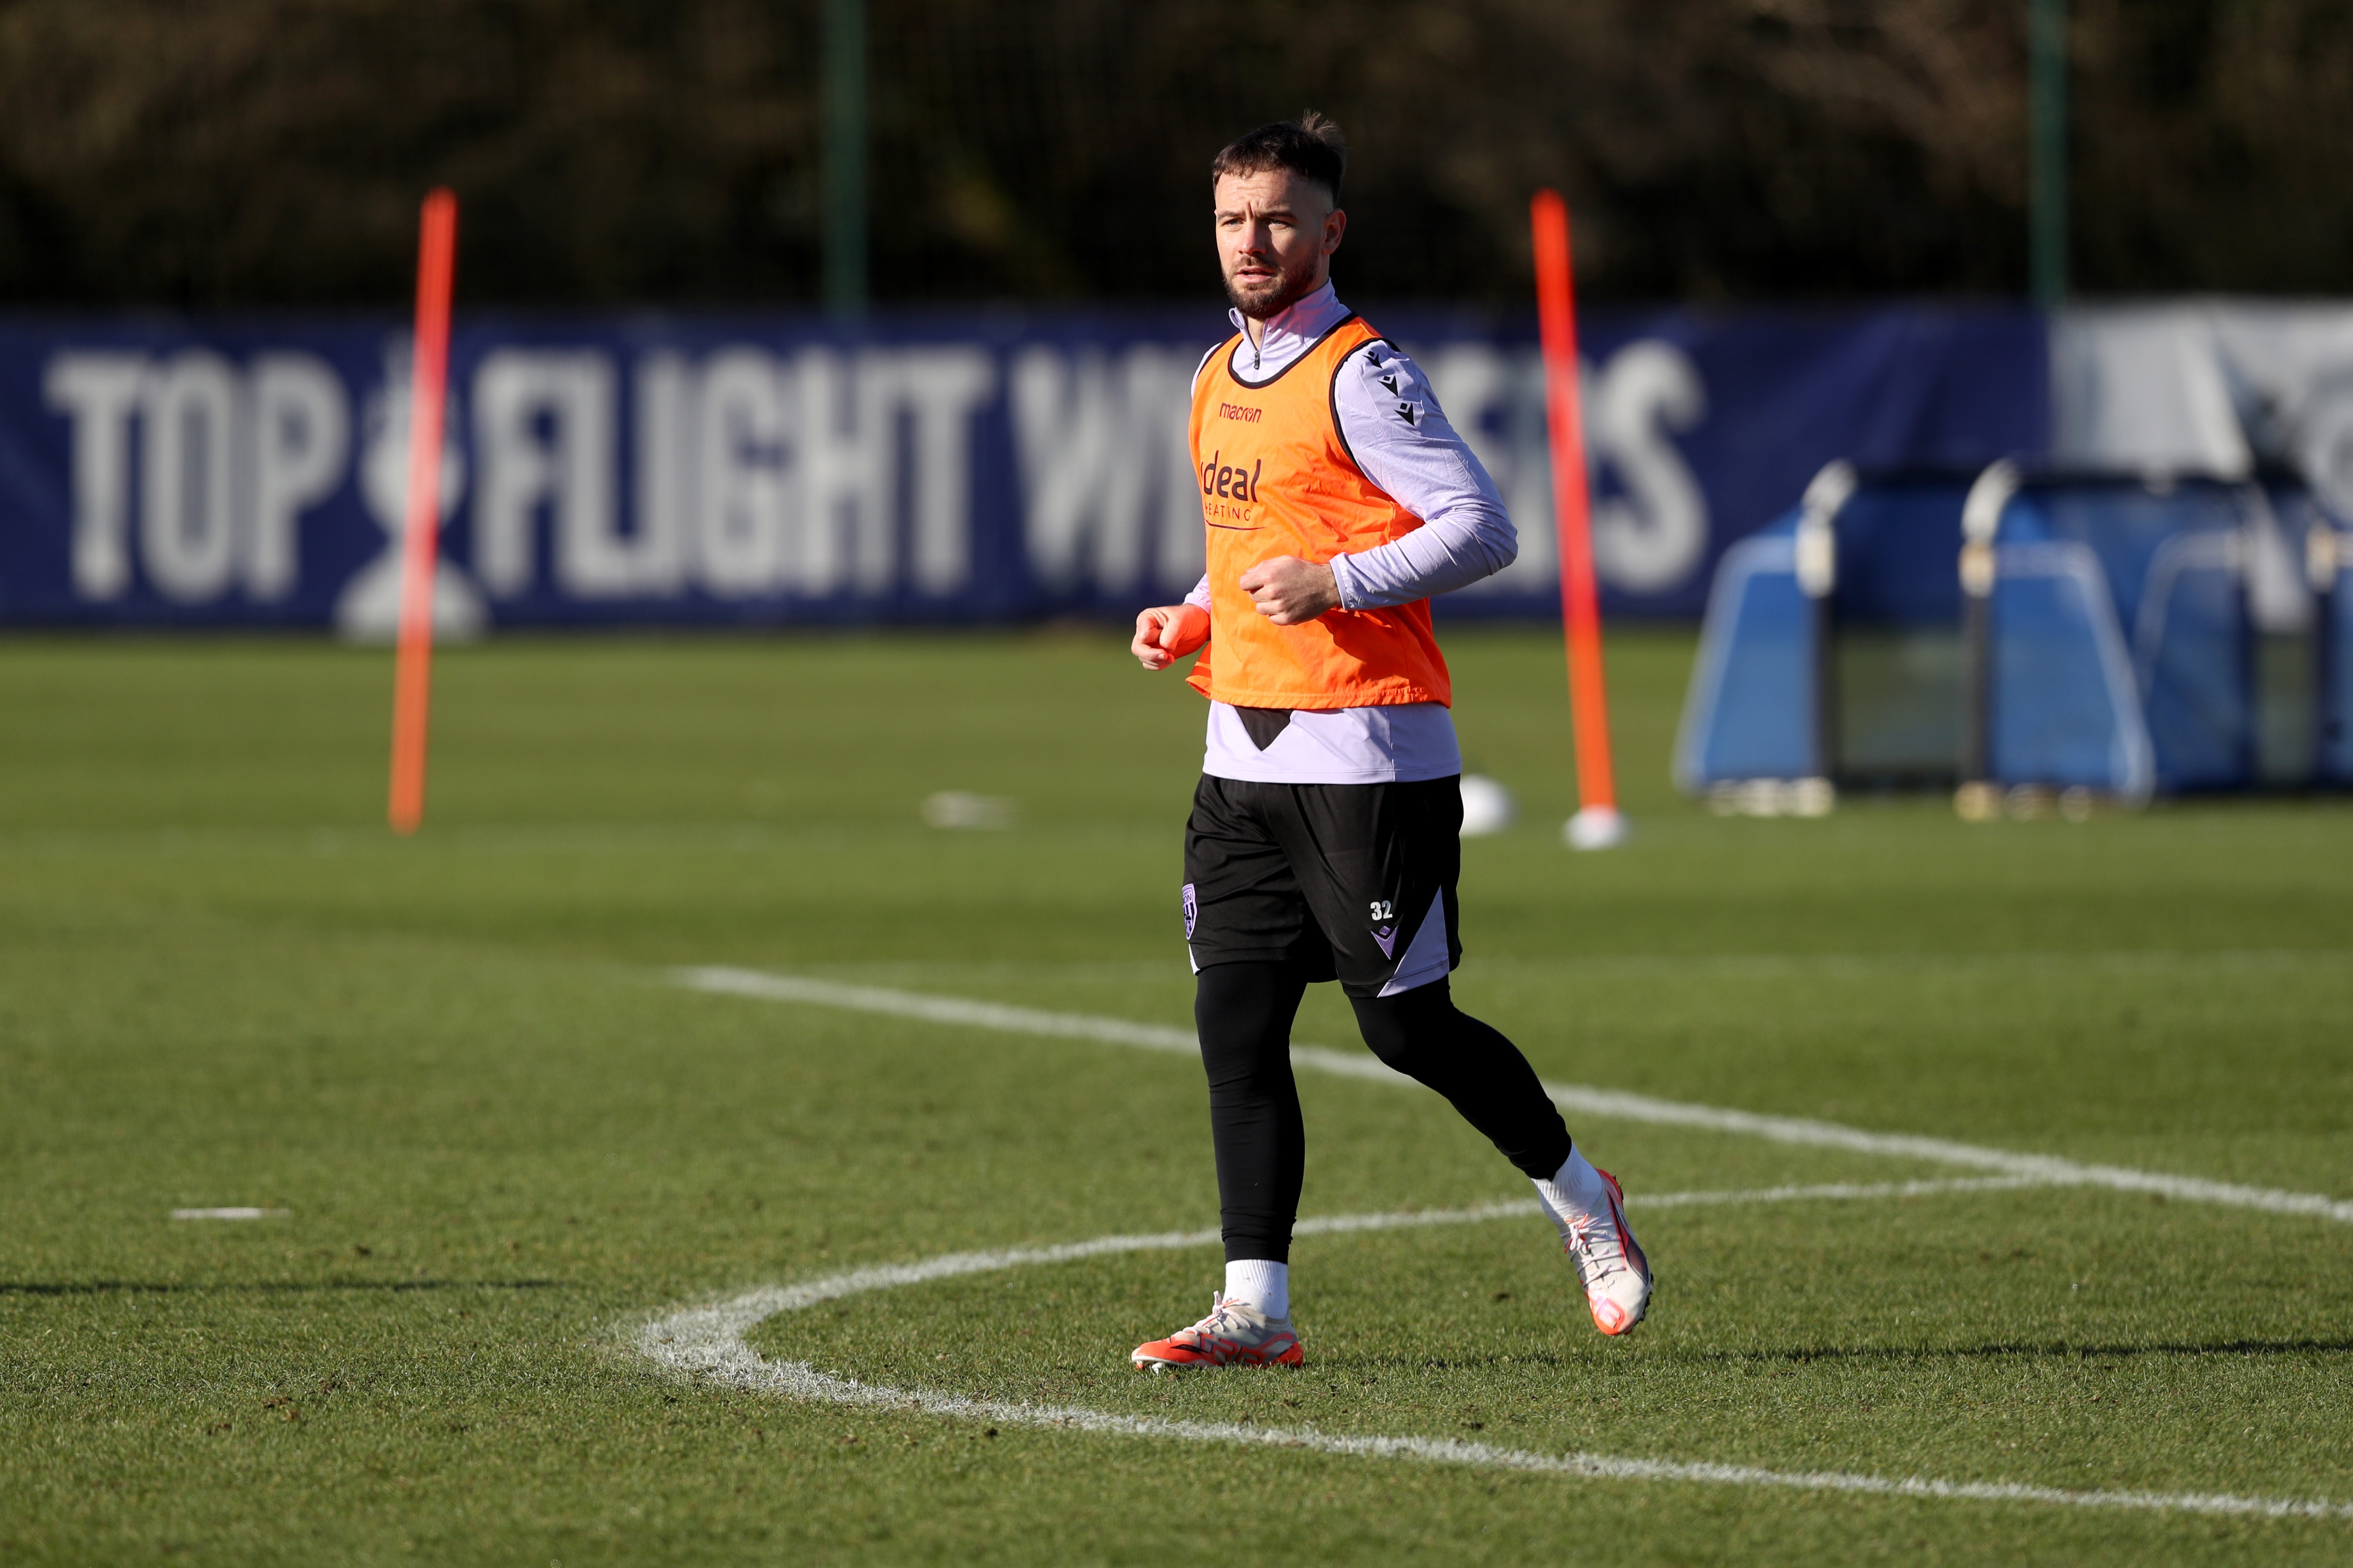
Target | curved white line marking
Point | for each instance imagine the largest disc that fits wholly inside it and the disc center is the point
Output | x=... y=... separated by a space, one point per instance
x=708 y=1342
x=2045 y=1169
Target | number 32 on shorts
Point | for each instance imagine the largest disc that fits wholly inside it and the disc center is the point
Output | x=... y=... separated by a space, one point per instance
x=1384 y=909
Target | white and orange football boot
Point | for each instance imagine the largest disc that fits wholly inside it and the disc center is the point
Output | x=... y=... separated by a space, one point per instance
x=1609 y=1262
x=1235 y=1334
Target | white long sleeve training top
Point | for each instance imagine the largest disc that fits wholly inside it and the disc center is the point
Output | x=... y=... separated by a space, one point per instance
x=1402 y=442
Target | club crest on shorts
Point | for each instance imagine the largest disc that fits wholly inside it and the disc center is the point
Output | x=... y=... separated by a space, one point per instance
x=1192 y=912
x=1386 y=932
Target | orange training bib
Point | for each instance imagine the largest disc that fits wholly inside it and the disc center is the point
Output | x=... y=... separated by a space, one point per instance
x=1277 y=478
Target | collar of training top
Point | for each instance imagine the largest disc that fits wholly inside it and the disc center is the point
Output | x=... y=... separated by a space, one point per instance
x=1291 y=331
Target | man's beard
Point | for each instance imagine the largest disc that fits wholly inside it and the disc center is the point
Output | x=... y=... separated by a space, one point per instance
x=1289 y=290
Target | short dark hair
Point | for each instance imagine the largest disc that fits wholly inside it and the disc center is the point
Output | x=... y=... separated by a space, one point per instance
x=1310 y=147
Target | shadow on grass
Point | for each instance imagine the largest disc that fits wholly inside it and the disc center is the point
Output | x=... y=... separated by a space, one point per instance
x=262 y=1287
x=1412 y=1363
x=2066 y=1352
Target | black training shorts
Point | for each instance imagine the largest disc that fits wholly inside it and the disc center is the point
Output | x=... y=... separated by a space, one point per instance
x=1355 y=882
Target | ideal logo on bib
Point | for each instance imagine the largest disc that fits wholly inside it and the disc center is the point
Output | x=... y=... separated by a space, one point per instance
x=1229 y=491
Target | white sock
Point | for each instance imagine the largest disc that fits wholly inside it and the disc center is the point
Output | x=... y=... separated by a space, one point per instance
x=1574 y=1192
x=1261 y=1283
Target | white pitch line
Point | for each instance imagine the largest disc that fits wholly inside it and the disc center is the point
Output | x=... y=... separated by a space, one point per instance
x=709 y=1342
x=229 y=1214
x=935 y=1009
x=2047 y=1170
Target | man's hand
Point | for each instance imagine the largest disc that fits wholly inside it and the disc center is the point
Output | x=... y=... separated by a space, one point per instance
x=1167 y=633
x=1289 y=591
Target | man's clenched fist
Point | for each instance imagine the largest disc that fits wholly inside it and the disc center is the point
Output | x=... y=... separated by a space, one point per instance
x=1166 y=633
x=1289 y=591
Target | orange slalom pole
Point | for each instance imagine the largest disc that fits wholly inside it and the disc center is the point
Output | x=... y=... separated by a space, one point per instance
x=1596 y=825
x=412 y=681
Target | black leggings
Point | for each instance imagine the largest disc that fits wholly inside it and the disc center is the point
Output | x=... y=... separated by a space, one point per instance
x=1243 y=1012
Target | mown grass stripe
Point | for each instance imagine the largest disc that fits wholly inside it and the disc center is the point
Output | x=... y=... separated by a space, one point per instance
x=1586 y=1100
x=708 y=1342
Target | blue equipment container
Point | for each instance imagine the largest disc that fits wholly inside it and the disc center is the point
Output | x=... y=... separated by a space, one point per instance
x=2066 y=631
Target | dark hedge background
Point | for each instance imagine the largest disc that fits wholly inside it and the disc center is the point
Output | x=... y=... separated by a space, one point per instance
x=210 y=152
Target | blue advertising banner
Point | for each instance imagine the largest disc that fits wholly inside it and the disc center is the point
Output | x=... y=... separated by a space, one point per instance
x=962 y=467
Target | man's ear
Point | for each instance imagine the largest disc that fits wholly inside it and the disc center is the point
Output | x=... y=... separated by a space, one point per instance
x=1335 y=224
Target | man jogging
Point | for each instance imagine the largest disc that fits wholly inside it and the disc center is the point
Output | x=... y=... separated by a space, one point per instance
x=1325 y=839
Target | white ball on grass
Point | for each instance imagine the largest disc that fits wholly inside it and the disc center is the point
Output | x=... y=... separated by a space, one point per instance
x=1487 y=806
x=962 y=808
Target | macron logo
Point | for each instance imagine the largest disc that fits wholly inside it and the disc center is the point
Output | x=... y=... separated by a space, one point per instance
x=1236 y=410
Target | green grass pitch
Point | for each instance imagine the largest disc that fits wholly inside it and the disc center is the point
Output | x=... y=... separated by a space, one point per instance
x=504 y=1142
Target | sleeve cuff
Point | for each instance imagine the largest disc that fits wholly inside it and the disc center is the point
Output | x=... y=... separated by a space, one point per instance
x=1344 y=578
